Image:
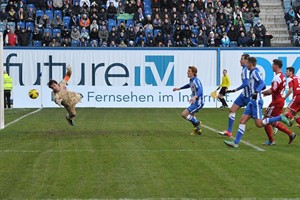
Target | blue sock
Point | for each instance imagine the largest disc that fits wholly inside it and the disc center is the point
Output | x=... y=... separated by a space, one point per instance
x=193 y=120
x=231 y=119
x=272 y=120
x=240 y=133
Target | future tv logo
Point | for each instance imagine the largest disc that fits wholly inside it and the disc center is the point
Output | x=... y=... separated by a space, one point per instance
x=158 y=71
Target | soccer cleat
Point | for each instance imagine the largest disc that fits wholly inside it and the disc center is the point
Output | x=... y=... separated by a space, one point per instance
x=292 y=137
x=70 y=121
x=231 y=144
x=225 y=133
x=269 y=143
x=196 y=131
x=287 y=121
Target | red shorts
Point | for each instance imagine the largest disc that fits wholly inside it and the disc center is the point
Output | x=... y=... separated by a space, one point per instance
x=294 y=105
x=275 y=108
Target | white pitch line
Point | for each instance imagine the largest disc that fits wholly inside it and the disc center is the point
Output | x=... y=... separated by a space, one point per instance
x=10 y=123
x=242 y=141
x=104 y=150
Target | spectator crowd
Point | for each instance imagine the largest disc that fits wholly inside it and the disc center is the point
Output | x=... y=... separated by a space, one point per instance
x=133 y=23
x=292 y=18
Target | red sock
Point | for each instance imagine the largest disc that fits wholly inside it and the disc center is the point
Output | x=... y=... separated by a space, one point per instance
x=289 y=115
x=298 y=120
x=269 y=131
x=282 y=128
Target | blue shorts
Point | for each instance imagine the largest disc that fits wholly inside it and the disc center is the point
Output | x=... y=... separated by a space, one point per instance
x=242 y=101
x=195 y=107
x=254 y=109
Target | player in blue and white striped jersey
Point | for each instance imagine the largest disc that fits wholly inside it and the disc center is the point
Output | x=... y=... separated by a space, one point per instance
x=196 y=101
x=254 y=107
x=242 y=100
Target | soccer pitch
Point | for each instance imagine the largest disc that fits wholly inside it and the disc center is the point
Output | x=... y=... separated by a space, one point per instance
x=141 y=154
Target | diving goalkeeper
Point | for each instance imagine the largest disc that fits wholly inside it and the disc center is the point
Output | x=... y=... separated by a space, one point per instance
x=64 y=97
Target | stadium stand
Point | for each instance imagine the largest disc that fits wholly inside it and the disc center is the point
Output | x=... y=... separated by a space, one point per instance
x=202 y=17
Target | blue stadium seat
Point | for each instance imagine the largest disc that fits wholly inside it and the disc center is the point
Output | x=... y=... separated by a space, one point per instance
x=75 y=43
x=30 y=5
x=37 y=43
x=74 y=1
x=195 y=31
x=248 y=26
x=155 y=32
x=3 y=5
x=30 y=24
x=233 y=44
x=55 y=31
x=21 y=24
x=12 y=25
x=49 y=13
x=111 y=23
x=147 y=6
x=48 y=30
x=128 y=22
x=255 y=20
x=119 y=21
x=2 y=26
x=39 y=13
x=58 y=12
x=66 y=20
x=148 y=30
x=148 y=12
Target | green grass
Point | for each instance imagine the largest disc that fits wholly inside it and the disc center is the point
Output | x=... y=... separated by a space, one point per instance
x=140 y=153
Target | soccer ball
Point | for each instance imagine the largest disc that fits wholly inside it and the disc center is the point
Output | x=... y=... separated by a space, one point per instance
x=33 y=93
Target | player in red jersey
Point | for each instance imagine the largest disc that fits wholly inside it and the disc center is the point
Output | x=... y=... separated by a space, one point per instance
x=275 y=108
x=294 y=87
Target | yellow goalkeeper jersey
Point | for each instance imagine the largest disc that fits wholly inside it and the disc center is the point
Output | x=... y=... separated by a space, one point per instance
x=225 y=82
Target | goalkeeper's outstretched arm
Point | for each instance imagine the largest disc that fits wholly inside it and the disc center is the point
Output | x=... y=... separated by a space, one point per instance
x=68 y=75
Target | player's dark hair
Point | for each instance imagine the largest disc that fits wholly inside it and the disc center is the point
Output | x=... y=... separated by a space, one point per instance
x=252 y=60
x=246 y=56
x=51 y=82
x=194 y=70
x=291 y=69
x=278 y=63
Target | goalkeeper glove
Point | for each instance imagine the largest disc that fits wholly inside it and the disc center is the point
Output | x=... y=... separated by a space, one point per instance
x=254 y=95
